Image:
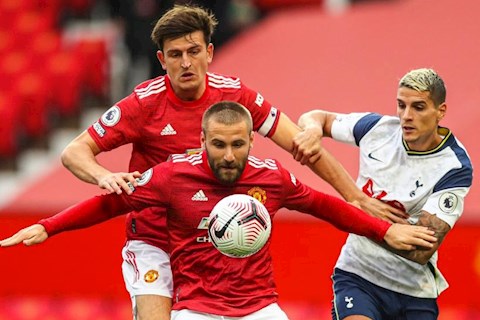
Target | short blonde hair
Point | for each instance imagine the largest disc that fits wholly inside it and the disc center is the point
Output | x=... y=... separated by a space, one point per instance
x=228 y=113
x=425 y=79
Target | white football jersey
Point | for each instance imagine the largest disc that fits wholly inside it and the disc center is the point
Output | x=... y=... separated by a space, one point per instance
x=435 y=181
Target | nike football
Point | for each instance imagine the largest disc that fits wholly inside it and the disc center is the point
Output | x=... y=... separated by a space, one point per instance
x=239 y=226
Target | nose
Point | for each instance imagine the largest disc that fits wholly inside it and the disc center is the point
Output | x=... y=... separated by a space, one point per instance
x=407 y=113
x=186 y=63
x=228 y=156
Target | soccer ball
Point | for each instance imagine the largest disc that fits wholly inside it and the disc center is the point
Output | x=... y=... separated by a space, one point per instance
x=239 y=226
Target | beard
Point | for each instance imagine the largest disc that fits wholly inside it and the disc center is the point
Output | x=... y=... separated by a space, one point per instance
x=227 y=172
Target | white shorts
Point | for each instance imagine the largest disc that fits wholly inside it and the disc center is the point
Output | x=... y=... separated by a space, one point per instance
x=270 y=312
x=146 y=270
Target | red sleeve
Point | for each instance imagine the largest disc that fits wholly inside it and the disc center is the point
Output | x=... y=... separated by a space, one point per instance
x=345 y=216
x=87 y=213
x=119 y=124
x=152 y=190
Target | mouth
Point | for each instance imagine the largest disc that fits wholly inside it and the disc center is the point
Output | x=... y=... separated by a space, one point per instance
x=228 y=168
x=187 y=76
x=408 y=129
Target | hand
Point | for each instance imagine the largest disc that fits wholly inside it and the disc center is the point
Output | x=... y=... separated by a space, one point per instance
x=116 y=182
x=381 y=210
x=408 y=237
x=307 y=145
x=34 y=234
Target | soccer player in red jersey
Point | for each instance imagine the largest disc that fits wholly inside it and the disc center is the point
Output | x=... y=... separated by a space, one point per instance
x=161 y=117
x=189 y=186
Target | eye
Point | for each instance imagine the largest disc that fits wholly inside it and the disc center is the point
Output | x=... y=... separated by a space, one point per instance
x=238 y=144
x=218 y=145
x=194 y=52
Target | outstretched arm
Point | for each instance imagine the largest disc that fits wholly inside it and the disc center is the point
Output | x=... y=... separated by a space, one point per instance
x=79 y=158
x=317 y=124
x=353 y=220
x=81 y=215
x=31 y=235
x=326 y=166
x=306 y=148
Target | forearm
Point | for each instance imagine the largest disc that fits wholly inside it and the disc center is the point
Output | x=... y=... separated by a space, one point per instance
x=419 y=255
x=80 y=159
x=85 y=214
x=347 y=217
x=330 y=170
x=423 y=255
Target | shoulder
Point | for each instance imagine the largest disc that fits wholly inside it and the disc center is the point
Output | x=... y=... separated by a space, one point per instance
x=374 y=123
x=461 y=173
x=263 y=164
x=184 y=158
x=460 y=151
x=219 y=81
x=150 y=89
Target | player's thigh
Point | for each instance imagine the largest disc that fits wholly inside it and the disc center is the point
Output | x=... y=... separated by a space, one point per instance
x=148 y=277
x=352 y=299
x=146 y=270
x=152 y=307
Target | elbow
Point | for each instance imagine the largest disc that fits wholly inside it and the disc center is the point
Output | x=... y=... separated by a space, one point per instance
x=65 y=157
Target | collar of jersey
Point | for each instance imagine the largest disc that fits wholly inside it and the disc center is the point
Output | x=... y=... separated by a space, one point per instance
x=176 y=100
x=445 y=132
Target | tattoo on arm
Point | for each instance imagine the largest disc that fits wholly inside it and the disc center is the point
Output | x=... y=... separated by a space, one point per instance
x=422 y=255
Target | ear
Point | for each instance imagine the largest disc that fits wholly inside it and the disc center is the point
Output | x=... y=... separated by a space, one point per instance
x=442 y=111
x=202 y=140
x=161 y=58
x=252 y=136
x=210 y=53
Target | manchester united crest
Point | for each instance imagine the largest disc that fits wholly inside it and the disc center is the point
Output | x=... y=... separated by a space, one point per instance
x=151 y=276
x=258 y=193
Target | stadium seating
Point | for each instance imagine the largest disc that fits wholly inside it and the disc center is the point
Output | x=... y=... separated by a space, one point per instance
x=44 y=78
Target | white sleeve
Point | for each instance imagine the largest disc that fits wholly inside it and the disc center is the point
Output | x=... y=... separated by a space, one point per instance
x=342 y=127
x=447 y=204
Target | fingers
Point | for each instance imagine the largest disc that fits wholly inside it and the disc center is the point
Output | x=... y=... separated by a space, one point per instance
x=398 y=213
x=426 y=236
x=396 y=219
x=29 y=236
x=120 y=182
x=13 y=240
x=407 y=237
x=307 y=147
x=421 y=237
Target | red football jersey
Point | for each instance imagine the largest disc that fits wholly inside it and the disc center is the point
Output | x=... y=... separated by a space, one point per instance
x=159 y=124
x=204 y=279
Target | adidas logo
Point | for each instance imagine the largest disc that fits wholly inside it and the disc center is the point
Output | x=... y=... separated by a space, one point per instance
x=199 y=196
x=168 y=131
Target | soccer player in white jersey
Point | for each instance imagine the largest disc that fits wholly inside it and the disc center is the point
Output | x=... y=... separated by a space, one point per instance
x=416 y=165
x=162 y=116
x=203 y=277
